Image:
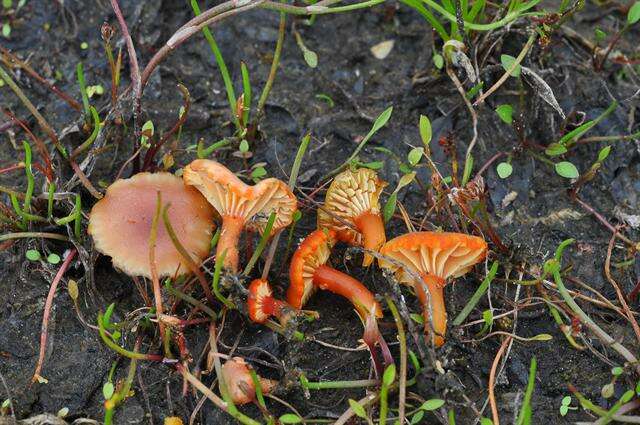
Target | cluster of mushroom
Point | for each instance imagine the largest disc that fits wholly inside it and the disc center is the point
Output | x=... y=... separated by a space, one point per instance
x=122 y=221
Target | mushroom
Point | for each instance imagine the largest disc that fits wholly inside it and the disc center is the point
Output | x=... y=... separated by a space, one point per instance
x=435 y=257
x=261 y=304
x=120 y=224
x=352 y=209
x=308 y=270
x=237 y=378
x=239 y=204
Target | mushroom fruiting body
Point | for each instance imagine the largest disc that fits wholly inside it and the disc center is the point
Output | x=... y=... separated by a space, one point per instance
x=240 y=205
x=261 y=304
x=435 y=257
x=237 y=378
x=120 y=224
x=308 y=270
x=352 y=209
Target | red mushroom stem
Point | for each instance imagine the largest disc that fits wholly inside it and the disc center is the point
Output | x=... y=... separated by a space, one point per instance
x=228 y=242
x=330 y=279
x=435 y=286
x=373 y=234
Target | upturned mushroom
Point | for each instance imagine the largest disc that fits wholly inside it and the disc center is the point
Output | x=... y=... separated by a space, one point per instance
x=435 y=257
x=308 y=271
x=237 y=378
x=261 y=303
x=352 y=209
x=240 y=205
x=120 y=224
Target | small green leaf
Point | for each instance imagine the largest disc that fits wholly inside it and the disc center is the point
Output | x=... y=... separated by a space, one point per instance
x=32 y=255
x=638 y=388
x=84 y=45
x=504 y=170
x=433 y=404
x=564 y=409
x=599 y=34
x=627 y=396
x=425 y=130
x=617 y=371
x=541 y=337
x=415 y=155
x=382 y=119
x=53 y=258
x=405 y=180
x=7 y=4
x=634 y=13
x=468 y=168
x=505 y=112
x=486 y=421
x=567 y=170
x=258 y=172
x=310 y=57
x=373 y=165
x=390 y=207
x=608 y=390
x=555 y=149
x=147 y=132
x=487 y=316
x=6 y=30
x=290 y=418
x=507 y=62
x=244 y=146
x=6 y=403
x=415 y=419
x=389 y=375
x=108 y=390
x=438 y=61
x=417 y=318
x=297 y=216
x=604 y=153
x=357 y=409
x=566 y=400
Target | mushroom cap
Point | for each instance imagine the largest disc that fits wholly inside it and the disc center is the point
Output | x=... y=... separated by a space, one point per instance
x=351 y=194
x=260 y=294
x=230 y=196
x=237 y=377
x=120 y=223
x=313 y=252
x=443 y=255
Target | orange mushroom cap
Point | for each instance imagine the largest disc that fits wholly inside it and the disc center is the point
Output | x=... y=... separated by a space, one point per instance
x=436 y=257
x=237 y=377
x=260 y=302
x=239 y=204
x=352 y=209
x=120 y=223
x=308 y=270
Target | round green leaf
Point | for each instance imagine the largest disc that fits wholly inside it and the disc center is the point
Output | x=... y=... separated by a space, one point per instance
x=608 y=390
x=389 y=375
x=32 y=255
x=438 y=61
x=507 y=61
x=290 y=418
x=425 y=130
x=244 y=146
x=108 y=390
x=53 y=258
x=564 y=409
x=415 y=419
x=504 y=170
x=311 y=58
x=505 y=112
x=566 y=400
x=415 y=155
x=567 y=170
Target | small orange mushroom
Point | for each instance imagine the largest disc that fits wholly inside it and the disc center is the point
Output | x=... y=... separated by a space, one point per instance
x=308 y=270
x=120 y=224
x=435 y=257
x=237 y=378
x=261 y=304
x=239 y=204
x=352 y=209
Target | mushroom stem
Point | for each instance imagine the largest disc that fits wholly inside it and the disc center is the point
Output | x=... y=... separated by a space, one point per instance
x=372 y=228
x=229 y=237
x=330 y=279
x=438 y=311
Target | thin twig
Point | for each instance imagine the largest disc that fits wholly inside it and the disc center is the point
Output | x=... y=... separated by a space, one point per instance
x=492 y=380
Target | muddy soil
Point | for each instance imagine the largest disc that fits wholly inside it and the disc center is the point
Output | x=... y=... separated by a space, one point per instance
x=538 y=217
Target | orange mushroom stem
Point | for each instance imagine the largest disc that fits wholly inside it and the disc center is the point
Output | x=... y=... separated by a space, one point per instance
x=308 y=271
x=437 y=316
x=261 y=303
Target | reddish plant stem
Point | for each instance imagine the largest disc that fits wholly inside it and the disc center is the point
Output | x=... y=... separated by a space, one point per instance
x=492 y=380
x=47 y=311
x=604 y=221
